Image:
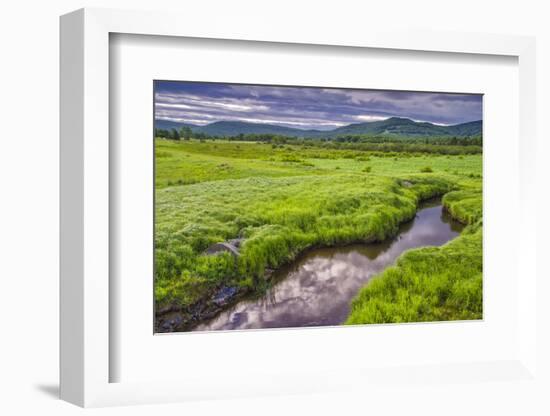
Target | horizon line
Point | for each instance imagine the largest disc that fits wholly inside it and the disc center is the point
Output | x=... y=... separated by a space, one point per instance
x=285 y=125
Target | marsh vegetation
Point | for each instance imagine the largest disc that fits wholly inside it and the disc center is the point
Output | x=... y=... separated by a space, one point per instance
x=277 y=199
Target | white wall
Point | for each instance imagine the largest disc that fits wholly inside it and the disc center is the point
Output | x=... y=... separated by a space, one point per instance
x=29 y=184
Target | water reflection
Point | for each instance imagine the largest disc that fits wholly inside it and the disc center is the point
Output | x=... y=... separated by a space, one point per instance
x=318 y=287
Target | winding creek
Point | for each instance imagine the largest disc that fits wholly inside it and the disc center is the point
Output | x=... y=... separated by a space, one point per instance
x=317 y=288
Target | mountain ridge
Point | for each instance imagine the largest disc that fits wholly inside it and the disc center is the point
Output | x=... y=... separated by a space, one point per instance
x=393 y=126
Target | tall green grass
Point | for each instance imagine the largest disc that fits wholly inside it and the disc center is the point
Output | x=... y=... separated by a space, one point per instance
x=431 y=283
x=277 y=217
x=281 y=201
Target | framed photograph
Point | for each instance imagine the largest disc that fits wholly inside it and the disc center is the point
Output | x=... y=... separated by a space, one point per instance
x=275 y=206
x=275 y=212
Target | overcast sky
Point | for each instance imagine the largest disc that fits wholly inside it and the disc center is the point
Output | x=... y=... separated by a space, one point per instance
x=305 y=107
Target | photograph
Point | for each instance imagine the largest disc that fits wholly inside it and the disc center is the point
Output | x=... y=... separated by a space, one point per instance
x=282 y=206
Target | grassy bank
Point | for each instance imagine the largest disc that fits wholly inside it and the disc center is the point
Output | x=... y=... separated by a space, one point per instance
x=432 y=283
x=283 y=200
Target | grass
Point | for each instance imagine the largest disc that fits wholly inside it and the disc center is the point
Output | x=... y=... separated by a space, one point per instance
x=188 y=162
x=285 y=199
x=432 y=283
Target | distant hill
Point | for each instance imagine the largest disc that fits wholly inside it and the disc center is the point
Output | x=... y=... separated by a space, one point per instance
x=394 y=126
x=234 y=128
x=169 y=125
x=473 y=128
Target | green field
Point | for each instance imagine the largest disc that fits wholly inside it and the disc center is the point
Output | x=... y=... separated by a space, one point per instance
x=284 y=199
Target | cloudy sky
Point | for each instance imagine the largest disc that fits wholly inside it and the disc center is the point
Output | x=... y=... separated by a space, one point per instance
x=304 y=107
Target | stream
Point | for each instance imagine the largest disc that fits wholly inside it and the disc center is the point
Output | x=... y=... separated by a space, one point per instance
x=317 y=288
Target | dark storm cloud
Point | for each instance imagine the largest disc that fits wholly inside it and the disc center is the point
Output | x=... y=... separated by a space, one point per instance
x=301 y=107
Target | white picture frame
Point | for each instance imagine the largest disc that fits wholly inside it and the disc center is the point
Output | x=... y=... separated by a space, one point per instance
x=85 y=211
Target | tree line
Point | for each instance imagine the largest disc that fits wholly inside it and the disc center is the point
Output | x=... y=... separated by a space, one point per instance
x=433 y=144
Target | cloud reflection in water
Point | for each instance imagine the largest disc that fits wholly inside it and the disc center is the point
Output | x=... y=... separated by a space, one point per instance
x=317 y=289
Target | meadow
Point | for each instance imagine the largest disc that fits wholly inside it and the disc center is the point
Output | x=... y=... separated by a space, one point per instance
x=282 y=199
